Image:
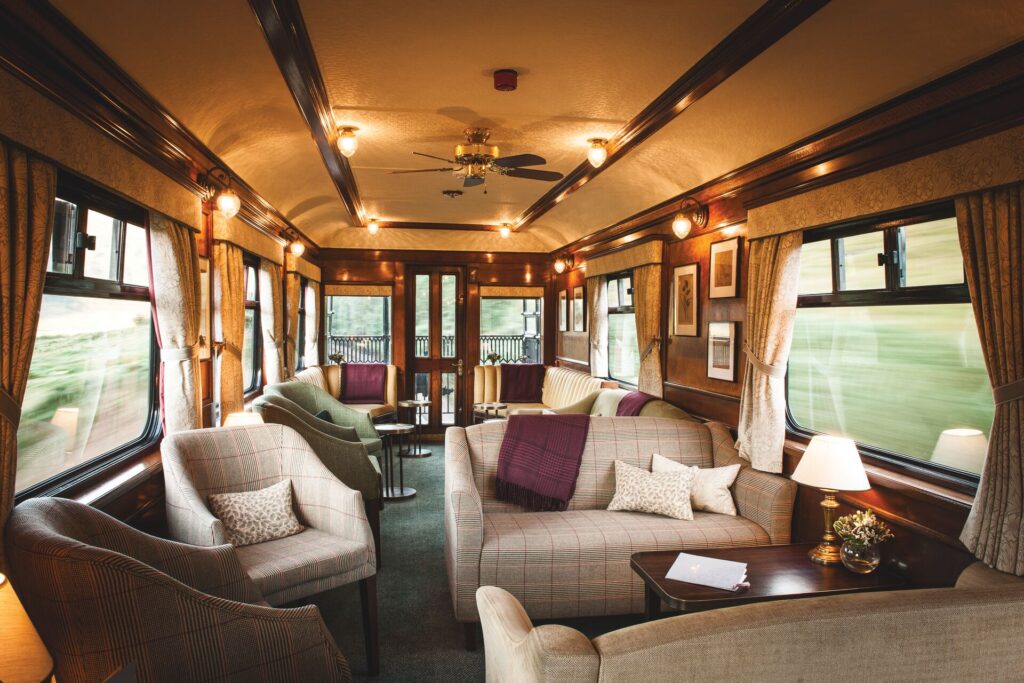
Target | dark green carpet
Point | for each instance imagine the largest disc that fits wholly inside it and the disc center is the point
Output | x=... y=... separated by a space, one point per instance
x=419 y=637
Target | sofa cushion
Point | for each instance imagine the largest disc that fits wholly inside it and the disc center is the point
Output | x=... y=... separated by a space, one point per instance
x=576 y=563
x=363 y=383
x=256 y=516
x=660 y=493
x=563 y=387
x=711 y=485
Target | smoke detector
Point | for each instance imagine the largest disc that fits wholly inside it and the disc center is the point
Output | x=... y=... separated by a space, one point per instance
x=452 y=194
x=506 y=80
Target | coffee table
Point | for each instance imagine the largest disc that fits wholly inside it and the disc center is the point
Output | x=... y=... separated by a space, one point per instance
x=482 y=412
x=390 y=433
x=775 y=572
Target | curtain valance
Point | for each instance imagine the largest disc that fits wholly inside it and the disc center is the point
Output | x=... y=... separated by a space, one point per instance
x=248 y=238
x=297 y=264
x=633 y=257
x=524 y=292
x=357 y=290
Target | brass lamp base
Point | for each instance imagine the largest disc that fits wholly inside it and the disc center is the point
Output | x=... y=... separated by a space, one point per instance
x=827 y=552
x=824 y=553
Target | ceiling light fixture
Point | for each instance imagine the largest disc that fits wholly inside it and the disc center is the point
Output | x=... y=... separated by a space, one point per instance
x=563 y=264
x=506 y=80
x=690 y=213
x=348 y=143
x=373 y=227
x=598 y=152
x=218 y=187
x=505 y=230
x=297 y=248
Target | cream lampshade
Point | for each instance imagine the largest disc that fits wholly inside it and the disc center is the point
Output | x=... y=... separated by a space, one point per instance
x=236 y=419
x=830 y=463
x=963 y=449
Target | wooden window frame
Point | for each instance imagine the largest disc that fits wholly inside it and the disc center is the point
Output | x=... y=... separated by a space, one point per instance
x=619 y=278
x=251 y=261
x=300 y=337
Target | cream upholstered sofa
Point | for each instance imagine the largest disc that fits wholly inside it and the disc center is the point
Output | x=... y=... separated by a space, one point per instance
x=562 y=388
x=971 y=632
x=328 y=378
x=576 y=563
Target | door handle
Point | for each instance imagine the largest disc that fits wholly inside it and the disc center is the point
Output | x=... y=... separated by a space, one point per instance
x=458 y=367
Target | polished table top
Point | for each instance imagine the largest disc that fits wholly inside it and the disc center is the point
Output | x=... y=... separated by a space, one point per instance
x=389 y=428
x=414 y=403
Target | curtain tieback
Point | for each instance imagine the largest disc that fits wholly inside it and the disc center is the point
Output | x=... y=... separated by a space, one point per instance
x=220 y=347
x=765 y=368
x=184 y=353
x=10 y=409
x=650 y=347
x=1014 y=391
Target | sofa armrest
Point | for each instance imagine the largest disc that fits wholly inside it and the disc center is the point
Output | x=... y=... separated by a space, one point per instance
x=582 y=406
x=768 y=500
x=188 y=518
x=516 y=651
x=463 y=525
x=327 y=504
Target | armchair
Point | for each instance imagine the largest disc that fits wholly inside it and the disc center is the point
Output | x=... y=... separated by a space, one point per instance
x=103 y=595
x=335 y=549
x=313 y=399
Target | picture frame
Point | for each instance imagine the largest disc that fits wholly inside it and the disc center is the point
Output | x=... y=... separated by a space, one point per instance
x=204 y=309
x=723 y=280
x=579 y=322
x=686 y=300
x=722 y=351
x=563 y=311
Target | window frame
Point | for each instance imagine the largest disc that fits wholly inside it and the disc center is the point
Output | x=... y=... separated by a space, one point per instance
x=252 y=261
x=894 y=293
x=620 y=278
x=300 y=338
x=85 y=195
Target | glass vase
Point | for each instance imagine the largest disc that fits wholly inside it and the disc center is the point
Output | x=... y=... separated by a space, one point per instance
x=861 y=559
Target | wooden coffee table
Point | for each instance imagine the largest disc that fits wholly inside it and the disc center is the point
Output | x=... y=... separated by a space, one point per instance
x=775 y=572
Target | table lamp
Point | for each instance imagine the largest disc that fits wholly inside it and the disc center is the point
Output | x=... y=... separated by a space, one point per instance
x=832 y=464
x=236 y=419
x=23 y=657
x=963 y=449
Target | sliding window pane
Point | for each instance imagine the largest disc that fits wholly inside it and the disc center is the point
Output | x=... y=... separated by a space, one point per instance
x=859 y=256
x=448 y=305
x=422 y=315
x=623 y=352
x=136 y=256
x=933 y=254
x=101 y=262
x=816 y=268
x=62 y=244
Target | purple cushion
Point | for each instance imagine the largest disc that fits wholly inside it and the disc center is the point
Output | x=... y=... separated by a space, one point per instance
x=363 y=382
x=521 y=382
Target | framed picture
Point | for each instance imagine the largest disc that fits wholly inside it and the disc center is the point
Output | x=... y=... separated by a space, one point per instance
x=204 y=307
x=685 y=283
x=563 y=311
x=722 y=351
x=579 y=323
x=725 y=272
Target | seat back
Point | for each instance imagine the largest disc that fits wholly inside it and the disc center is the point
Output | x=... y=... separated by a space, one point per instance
x=486 y=383
x=563 y=387
x=630 y=439
x=328 y=378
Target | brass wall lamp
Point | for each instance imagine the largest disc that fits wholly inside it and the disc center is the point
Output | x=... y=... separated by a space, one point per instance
x=691 y=212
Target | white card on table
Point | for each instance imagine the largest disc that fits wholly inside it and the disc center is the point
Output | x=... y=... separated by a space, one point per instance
x=709 y=571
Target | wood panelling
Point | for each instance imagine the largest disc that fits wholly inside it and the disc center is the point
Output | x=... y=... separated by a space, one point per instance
x=705 y=404
x=572 y=348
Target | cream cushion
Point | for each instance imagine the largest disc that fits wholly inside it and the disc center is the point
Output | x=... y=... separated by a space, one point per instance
x=710 y=490
x=259 y=516
x=661 y=493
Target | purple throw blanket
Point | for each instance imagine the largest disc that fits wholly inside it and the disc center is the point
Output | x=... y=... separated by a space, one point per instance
x=521 y=383
x=363 y=382
x=540 y=459
x=632 y=403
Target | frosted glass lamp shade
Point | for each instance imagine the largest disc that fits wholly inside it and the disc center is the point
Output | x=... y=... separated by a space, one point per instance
x=963 y=449
x=236 y=419
x=832 y=462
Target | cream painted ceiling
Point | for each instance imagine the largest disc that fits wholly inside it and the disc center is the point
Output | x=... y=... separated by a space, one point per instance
x=412 y=75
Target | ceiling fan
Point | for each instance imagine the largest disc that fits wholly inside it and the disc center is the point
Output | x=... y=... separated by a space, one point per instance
x=474 y=159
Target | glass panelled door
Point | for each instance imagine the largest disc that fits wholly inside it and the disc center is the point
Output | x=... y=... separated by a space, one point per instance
x=437 y=362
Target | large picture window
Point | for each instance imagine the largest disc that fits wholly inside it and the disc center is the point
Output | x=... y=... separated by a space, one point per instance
x=91 y=389
x=358 y=328
x=885 y=346
x=252 y=336
x=511 y=329
x=623 y=350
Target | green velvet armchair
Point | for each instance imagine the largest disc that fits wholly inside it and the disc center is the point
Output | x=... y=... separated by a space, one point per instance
x=313 y=400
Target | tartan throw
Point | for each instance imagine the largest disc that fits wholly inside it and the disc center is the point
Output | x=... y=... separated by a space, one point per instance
x=521 y=382
x=632 y=403
x=540 y=460
x=363 y=382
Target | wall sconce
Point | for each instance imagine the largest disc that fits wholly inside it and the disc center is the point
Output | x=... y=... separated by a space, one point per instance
x=348 y=143
x=691 y=213
x=226 y=199
x=505 y=230
x=297 y=248
x=373 y=227
x=598 y=152
x=563 y=264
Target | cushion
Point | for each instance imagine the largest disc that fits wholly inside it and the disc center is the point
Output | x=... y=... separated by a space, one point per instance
x=325 y=415
x=363 y=382
x=660 y=493
x=259 y=516
x=710 y=491
x=521 y=383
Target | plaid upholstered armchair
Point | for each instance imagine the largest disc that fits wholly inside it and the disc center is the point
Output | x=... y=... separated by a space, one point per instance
x=313 y=400
x=335 y=549
x=103 y=595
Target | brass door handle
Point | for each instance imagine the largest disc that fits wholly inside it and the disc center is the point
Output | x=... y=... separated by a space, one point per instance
x=458 y=367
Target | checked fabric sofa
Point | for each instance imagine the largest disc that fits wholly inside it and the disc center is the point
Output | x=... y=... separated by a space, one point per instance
x=576 y=563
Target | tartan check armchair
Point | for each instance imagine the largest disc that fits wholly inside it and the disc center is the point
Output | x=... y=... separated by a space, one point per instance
x=104 y=595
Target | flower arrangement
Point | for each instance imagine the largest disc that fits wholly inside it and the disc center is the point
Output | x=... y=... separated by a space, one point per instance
x=493 y=358
x=862 y=529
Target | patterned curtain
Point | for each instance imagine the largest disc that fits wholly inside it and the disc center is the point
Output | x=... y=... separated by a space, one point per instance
x=647 y=304
x=771 y=308
x=992 y=241
x=597 y=312
x=174 y=262
x=312 y=350
x=292 y=294
x=272 y=321
x=28 y=190
x=229 y=327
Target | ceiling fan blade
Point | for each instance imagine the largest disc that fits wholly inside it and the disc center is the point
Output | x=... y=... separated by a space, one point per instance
x=517 y=160
x=533 y=174
x=422 y=170
x=431 y=156
x=472 y=181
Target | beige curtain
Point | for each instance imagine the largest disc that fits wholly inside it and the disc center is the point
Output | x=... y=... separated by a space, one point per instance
x=597 y=313
x=272 y=321
x=312 y=350
x=992 y=241
x=647 y=304
x=292 y=294
x=174 y=261
x=229 y=327
x=28 y=189
x=771 y=307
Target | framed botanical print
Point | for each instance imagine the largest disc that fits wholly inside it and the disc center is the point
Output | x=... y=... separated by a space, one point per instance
x=579 y=323
x=685 y=283
x=725 y=272
x=563 y=311
x=204 y=309
x=722 y=351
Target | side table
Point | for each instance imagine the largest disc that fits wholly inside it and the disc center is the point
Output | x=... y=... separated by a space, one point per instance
x=389 y=434
x=418 y=409
x=482 y=412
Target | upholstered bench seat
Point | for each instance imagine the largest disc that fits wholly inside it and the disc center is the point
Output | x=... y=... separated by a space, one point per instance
x=328 y=378
x=562 y=387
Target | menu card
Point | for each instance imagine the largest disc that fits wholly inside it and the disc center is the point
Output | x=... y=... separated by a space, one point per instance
x=709 y=571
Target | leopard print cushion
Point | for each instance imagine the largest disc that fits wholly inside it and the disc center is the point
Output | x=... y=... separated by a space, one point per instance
x=710 y=491
x=256 y=516
x=660 y=493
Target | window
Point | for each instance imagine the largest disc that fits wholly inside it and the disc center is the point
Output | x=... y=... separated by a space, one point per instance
x=252 y=336
x=358 y=328
x=885 y=347
x=511 y=329
x=91 y=393
x=623 y=350
x=300 y=338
